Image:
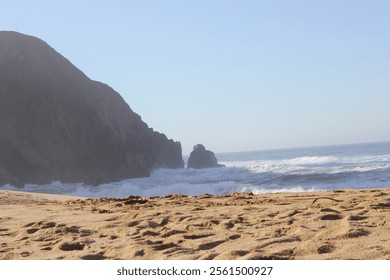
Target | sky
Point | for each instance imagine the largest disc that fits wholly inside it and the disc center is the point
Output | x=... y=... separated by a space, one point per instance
x=232 y=75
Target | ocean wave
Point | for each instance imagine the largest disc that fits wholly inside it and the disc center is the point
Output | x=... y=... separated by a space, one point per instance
x=305 y=165
x=225 y=180
x=298 y=170
x=312 y=160
x=257 y=190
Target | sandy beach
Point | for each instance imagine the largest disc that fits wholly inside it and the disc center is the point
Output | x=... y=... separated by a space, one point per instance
x=343 y=224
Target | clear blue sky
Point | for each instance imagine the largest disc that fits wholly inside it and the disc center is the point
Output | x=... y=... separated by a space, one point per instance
x=233 y=75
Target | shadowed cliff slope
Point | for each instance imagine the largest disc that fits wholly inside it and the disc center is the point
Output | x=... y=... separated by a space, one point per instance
x=58 y=125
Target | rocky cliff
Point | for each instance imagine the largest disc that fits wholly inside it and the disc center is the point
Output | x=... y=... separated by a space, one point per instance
x=58 y=125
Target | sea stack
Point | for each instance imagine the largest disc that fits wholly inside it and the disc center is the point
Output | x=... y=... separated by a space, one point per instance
x=202 y=158
x=56 y=124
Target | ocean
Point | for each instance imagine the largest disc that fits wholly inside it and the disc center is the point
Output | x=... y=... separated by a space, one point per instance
x=354 y=166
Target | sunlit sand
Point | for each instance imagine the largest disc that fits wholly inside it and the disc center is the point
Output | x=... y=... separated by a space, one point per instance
x=348 y=224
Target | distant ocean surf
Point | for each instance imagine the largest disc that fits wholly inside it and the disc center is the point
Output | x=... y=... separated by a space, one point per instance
x=287 y=170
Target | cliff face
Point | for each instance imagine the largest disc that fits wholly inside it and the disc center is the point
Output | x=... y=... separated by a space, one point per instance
x=58 y=125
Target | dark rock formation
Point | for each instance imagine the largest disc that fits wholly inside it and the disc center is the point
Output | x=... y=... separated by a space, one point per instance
x=58 y=125
x=202 y=158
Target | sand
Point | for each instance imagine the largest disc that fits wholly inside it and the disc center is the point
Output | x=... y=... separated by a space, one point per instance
x=343 y=224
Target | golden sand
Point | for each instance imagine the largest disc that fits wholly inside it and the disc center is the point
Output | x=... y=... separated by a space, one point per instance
x=344 y=224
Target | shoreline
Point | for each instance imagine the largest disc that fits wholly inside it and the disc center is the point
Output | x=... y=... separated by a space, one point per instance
x=336 y=224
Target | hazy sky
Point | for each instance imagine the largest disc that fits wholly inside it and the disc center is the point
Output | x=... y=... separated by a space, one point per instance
x=233 y=75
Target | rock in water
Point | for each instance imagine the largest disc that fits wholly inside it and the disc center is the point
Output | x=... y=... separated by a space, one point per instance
x=58 y=125
x=202 y=158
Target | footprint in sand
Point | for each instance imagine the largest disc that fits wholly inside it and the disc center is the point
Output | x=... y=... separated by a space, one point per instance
x=4 y=232
x=209 y=256
x=4 y=249
x=286 y=239
x=47 y=248
x=239 y=253
x=99 y=256
x=162 y=247
x=139 y=253
x=357 y=218
x=71 y=246
x=133 y=223
x=172 y=232
x=34 y=227
x=197 y=236
x=26 y=254
x=51 y=233
x=229 y=225
x=234 y=236
x=326 y=249
x=211 y=245
x=384 y=205
x=150 y=233
x=331 y=217
x=32 y=230
x=357 y=233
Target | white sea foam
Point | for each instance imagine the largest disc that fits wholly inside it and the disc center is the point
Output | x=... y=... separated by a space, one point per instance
x=310 y=160
x=256 y=190
x=311 y=165
x=260 y=172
